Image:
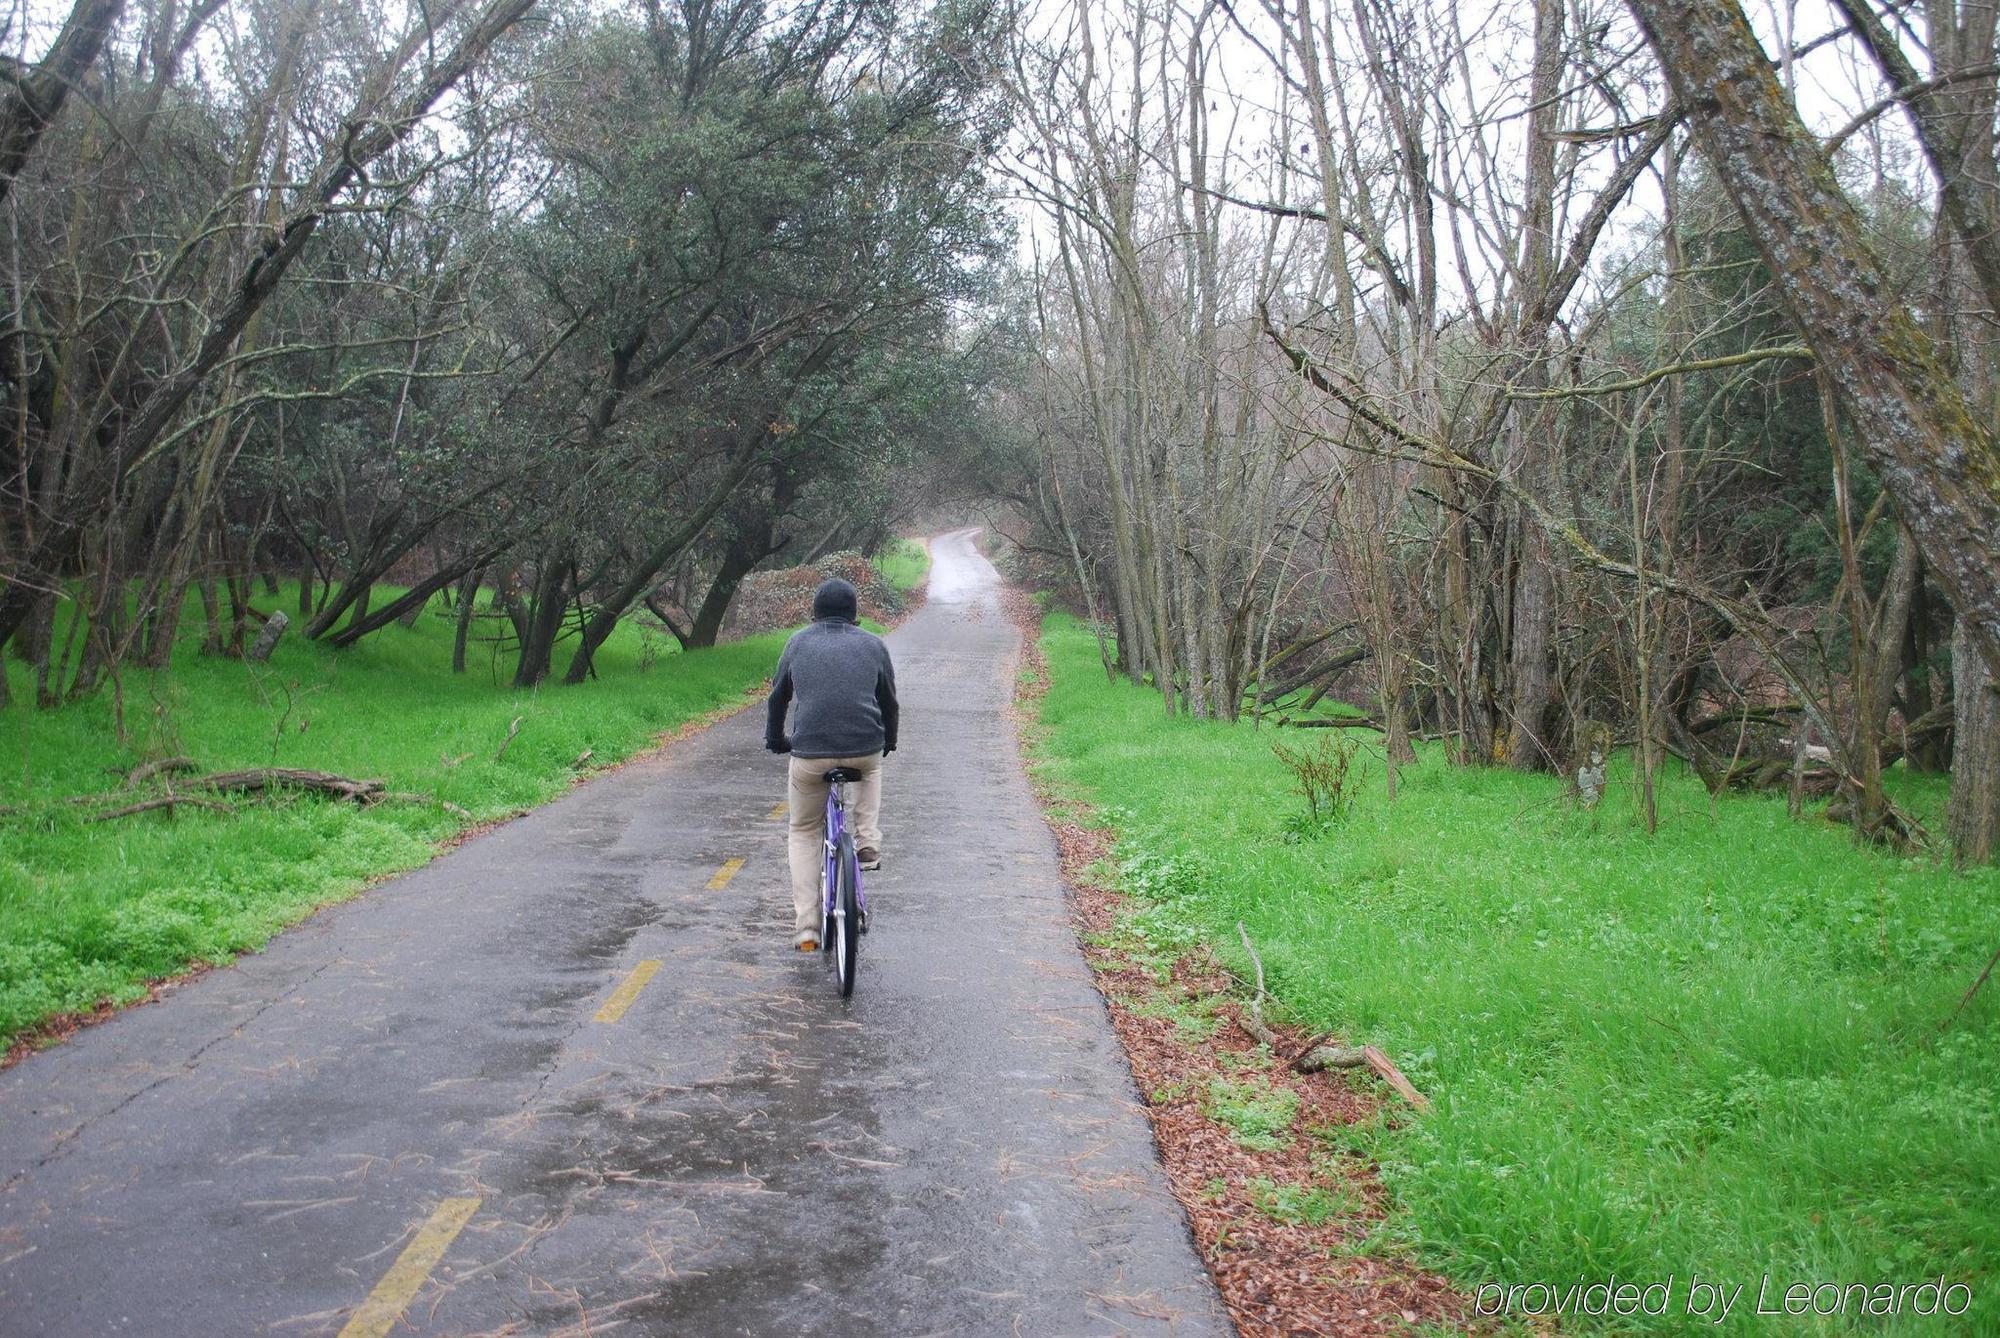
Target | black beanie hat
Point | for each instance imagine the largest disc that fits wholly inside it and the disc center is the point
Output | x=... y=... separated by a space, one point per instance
x=835 y=598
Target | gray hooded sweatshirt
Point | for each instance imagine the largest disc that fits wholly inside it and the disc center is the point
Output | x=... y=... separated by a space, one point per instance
x=837 y=681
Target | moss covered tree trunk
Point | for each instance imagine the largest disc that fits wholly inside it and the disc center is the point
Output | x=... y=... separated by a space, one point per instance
x=1936 y=456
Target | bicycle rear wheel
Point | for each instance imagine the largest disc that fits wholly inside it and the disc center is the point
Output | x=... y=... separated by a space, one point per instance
x=846 y=915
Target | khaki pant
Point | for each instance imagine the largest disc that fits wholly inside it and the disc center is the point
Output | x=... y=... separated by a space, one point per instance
x=807 y=846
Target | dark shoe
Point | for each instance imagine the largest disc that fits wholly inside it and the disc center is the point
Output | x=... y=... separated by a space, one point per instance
x=871 y=858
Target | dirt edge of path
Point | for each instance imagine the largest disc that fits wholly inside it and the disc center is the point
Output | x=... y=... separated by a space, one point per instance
x=53 y=1031
x=1283 y=1231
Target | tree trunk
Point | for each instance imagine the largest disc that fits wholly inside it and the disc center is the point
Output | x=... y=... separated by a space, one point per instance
x=544 y=621
x=38 y=94
x=1929 y=750
x=1531 y=641
x=212 y=642
x=1953 y=118
x=606 y=615
x=468 y=594
x=35 y=643
x=1935 y=456
x=1974 y=822
x=738 y=559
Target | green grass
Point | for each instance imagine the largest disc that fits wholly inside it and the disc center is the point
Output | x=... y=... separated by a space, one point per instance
x=904 y=563
x=91 y=911
x=1297 y=1205
x=1257 y=1115
x=1713 y=1050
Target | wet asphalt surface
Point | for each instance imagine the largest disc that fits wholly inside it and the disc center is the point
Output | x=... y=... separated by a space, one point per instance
x=958 y=1149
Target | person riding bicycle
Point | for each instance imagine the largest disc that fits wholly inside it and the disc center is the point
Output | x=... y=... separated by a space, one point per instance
x=840 y=686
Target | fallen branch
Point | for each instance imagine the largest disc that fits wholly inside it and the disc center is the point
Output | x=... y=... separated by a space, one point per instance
x=292 y=778
x=151 y=769
x=1318 y=1058
x=1385 y=1068
x=1323 y=1056
x=512 y=730
x=1366 y=1056
x=1330 y=722
x=1767 y=773
x=1254 y=1024
x=167 y=801
x=1783 y=714
x=1967 y=998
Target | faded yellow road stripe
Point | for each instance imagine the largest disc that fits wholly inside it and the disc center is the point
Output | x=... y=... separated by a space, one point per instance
x=621 y=999
x=384 y=1306
x=784 y=807
x=723 y=875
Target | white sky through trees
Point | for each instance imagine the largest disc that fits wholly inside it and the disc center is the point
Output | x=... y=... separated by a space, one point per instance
x=1486 y=46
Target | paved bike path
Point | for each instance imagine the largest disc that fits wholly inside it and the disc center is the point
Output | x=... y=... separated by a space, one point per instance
x=413 y=1092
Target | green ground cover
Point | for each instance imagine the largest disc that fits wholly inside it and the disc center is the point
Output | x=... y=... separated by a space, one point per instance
x=1713 y=1051
x=90 y=911
x=904 y=563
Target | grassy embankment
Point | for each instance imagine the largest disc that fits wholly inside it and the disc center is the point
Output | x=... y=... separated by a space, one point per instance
x=91 y=911
x=1713 y=1051
x=904 y=563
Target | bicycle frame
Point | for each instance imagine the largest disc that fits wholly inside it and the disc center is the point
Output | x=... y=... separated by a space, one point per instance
x=836 y=827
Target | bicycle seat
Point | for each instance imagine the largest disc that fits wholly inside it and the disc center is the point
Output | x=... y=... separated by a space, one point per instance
x=841 y=774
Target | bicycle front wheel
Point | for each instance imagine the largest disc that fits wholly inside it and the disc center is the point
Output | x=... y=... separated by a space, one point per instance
x=846 y=915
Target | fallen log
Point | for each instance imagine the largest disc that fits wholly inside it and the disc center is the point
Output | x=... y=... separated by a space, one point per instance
x=1768 y=773
x=1269 y=694
x=1318 y=1058
x=1780 y=715
x=1365 y=1056
x=149 y=770
x=1386 y=1070
x=292 y=778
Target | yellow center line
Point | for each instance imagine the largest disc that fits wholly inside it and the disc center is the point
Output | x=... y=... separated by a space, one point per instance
x=784 y=807
x=384 y=1306
x=724 y=874
x=621 y=998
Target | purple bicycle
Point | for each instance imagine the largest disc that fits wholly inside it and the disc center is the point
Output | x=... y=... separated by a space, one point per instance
x=843 y=907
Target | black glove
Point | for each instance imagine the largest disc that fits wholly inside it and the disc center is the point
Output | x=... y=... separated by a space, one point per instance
x=781 y=744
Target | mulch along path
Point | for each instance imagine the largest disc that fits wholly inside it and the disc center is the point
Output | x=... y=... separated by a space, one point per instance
x=1276 y=1277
